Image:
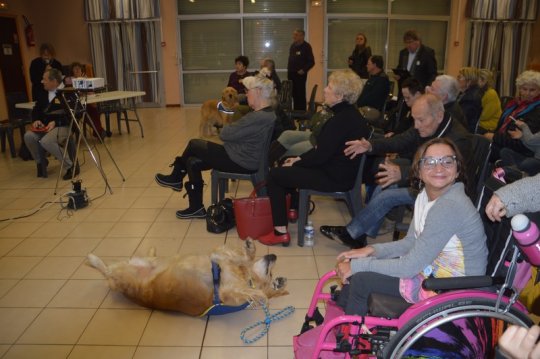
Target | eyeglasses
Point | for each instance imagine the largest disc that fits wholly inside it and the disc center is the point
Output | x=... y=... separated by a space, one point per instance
x=431 y=162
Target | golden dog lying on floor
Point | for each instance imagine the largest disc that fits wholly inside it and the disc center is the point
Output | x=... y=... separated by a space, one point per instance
x=188 y=285
x=217 y=113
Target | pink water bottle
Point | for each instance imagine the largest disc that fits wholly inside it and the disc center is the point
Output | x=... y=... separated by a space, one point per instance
x=527 y=235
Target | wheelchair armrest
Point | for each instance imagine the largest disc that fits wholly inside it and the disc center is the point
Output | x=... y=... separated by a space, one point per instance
x=469 y=282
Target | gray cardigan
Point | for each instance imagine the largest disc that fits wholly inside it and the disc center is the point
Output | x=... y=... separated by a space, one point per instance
x=452 y=214
x=521 y=196
x=244 y=139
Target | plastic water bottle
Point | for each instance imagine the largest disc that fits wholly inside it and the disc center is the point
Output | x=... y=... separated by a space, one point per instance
x=527 y=235
x=309 y=234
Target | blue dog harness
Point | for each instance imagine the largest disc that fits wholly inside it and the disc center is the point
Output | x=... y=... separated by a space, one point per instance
x=221 y=108
x=218 y=308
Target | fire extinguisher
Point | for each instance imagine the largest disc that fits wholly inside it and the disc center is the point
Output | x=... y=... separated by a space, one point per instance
x=29 y=32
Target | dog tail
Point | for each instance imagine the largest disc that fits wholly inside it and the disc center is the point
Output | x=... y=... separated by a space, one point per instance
x=97 y=263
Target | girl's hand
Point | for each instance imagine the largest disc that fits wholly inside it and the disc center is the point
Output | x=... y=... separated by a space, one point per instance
x=356 y=253
x=343 y=270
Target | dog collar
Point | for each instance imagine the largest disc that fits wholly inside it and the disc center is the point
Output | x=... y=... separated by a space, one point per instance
x=218 y=308
x=221 y=108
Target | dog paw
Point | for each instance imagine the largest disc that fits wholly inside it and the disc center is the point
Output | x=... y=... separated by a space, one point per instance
x=279 y=283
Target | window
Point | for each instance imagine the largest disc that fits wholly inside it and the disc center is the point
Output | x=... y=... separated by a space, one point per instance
x=383 y=23
x=213 y=34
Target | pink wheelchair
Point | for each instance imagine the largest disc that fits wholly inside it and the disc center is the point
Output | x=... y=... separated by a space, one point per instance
x=465 y=320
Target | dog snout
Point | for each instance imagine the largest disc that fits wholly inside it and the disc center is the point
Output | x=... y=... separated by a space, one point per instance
x=280 y=282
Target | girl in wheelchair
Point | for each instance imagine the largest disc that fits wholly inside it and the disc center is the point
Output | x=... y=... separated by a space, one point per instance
x=384 y=309
x=446 y=237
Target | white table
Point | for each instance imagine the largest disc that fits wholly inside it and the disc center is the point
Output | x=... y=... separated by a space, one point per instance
x=104 y=97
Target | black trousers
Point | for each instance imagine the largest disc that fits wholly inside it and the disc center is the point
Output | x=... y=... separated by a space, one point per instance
x=282 y=179
x=298 y=90
x=201 y=155
x=354 y=296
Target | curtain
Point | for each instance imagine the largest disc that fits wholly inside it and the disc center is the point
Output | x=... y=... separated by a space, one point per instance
x=500 y=37
x=125 y=38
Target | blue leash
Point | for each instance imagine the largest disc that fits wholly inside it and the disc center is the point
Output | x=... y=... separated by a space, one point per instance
x=266 y=322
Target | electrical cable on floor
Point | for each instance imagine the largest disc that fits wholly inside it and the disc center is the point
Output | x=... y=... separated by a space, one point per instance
x=36 y=210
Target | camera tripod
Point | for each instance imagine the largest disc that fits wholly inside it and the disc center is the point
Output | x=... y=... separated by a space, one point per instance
x=71 y=101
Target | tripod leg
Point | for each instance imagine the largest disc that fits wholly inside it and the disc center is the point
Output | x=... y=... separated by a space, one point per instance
x=106 y=149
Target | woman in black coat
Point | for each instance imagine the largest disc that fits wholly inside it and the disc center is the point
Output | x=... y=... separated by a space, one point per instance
x=325 y=167
x=360 y=56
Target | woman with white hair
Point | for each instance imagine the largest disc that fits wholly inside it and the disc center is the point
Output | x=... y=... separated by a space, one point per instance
x=325 y=167
x=241 y=152
x=524 y=110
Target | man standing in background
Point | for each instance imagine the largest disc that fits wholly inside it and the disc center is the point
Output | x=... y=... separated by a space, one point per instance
x=417 y=59
x=301 y=60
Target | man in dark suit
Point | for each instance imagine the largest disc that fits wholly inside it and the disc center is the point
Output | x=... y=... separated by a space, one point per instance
x=50 y=126
x=417 y=59
x=377 y=87
x=301 y=60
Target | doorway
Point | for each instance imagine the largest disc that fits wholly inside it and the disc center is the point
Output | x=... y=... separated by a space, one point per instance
x=11 y=64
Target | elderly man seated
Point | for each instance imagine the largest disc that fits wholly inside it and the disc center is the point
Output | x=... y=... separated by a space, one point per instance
x=50 y=126
x=430 y=121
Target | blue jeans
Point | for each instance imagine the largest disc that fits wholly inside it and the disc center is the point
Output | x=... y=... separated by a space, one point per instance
x=369 y=219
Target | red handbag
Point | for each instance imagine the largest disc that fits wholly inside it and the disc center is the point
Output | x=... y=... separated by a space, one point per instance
x=254 y=215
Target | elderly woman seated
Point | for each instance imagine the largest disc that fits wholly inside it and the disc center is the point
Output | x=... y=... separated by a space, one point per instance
x=240 y=153
x=525 y=108
x=324 y=167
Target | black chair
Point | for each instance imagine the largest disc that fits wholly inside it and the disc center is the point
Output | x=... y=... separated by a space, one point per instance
x=303 y=117
x=17 y=119
x=352 y=197
x=112 y=107
x=220 y=179
x=285 y=97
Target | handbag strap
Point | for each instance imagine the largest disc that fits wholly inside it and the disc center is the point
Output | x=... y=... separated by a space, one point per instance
x=257 y=187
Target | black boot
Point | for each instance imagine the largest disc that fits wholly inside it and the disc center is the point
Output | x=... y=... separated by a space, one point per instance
x=276 y=151
x=194 y=191
x=174 y=180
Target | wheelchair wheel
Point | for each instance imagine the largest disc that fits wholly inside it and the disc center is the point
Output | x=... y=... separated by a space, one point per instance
x=459 y=328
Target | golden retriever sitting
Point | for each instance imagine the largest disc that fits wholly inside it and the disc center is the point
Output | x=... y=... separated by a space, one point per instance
x=187 y=284
x=214 y=112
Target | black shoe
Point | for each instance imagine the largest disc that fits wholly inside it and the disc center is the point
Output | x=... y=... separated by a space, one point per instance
x=341 y=234
x=191 y=213
x=169 y=181
x=69 y=173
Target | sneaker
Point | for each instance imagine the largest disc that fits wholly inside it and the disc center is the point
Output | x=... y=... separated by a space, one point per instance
x=341 y=234
x=169 y=182
x=191 y=213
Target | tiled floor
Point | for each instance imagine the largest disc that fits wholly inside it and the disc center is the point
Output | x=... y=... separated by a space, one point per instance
x=53 y=305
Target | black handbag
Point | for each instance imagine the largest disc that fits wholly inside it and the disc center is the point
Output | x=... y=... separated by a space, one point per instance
x=220 y=216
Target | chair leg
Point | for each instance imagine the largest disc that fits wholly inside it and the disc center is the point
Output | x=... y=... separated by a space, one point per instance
x=127 y=120
x=303 y=203
x=3 y=135
x=119 y=121
x=107 y=123
x=11 y=142
x=214 y=185
x=223 y=187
